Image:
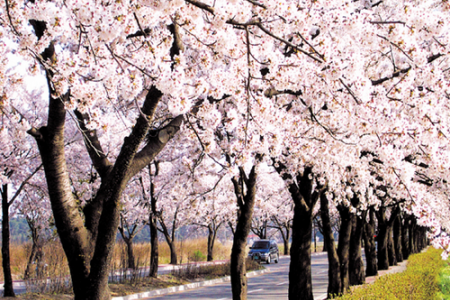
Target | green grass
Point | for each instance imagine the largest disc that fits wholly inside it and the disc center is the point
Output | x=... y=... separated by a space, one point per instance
x=420 y=281
x=444 y=283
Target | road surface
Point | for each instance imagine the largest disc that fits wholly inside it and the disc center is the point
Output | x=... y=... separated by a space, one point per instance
x=269 y=286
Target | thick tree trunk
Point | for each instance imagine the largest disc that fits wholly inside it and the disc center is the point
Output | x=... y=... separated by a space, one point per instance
x=334 y=272
x=300 y=286
x=8 y=290
x=369 y=245
x=397 y=231
x=344 y=246
x=356 y=265
x=246 y=202
x=382 y=251
x=391 y=250
x=384 y=234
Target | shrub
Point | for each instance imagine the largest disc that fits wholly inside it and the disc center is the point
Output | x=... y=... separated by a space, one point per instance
x=198 y=256
x=419 y=281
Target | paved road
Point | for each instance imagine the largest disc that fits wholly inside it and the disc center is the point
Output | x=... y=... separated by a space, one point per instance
x=270 y=286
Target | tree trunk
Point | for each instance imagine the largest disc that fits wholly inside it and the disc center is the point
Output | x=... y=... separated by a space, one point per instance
x=154 y=254
x=334 y=272
x=130 y=253
x=246 y=202
x=382 y=251
x=286 y=241
x=391 y=250
x=173 y=253
x=153 y=224
x=344 y=246
x=325 y=247
x=300 y=286
x=369 y=245
x=405 y=238
x=356 y=265
x=397 y=230
x=211 y=239
x=384 y=234
x=8 y=290
x=412 y=235
x=27 y=273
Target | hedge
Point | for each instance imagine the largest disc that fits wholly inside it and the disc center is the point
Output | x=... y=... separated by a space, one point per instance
x=421 y=280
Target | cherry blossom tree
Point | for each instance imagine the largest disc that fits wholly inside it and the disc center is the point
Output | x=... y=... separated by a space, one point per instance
x=133 y=218
x=34 y=206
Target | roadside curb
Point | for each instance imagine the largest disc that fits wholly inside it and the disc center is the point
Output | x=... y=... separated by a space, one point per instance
x=185 y=287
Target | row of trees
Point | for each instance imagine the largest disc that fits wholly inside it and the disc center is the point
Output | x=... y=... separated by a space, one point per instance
x=192 y=102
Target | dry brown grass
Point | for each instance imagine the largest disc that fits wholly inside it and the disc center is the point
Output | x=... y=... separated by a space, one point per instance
x=185 y=252
x=19 y=256
x=57 y=265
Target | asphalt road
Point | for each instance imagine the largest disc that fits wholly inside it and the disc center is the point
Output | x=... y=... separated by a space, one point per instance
x=269 y=286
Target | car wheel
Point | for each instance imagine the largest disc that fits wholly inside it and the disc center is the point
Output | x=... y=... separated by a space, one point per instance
x=268 y=259
x=277 y=259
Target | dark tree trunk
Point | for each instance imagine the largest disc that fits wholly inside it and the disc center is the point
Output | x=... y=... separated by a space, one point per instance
x=173 y=252
x=128 y=237
x=382 y=241
x=421 y=238
x=304 y=198
x=405 y=238
x=391 y=250
x=344 y=246
x=212 y=234
x=154 y=254
x=170 y=238
x=300 y=286
x=384 y=231
x=8 y=290
x=334 y=272
x=356 y=265
x=153 y=223
x=397 y=230
x=286 y=241
x=246 y=202
x=130 y=253
x=369 y=245
x=325 y=247
x=412 y=235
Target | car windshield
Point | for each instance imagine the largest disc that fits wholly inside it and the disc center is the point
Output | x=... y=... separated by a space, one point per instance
x=261 y=245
